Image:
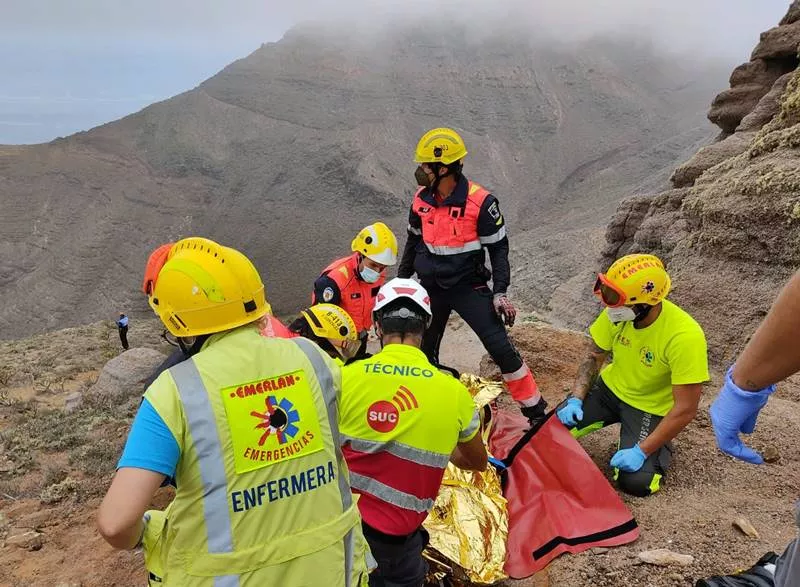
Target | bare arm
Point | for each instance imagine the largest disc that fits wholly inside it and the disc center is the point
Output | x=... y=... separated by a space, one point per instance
x=687 y=397
x=588 y=369
x=470 y=455
x=120 y=517
x=772 y=354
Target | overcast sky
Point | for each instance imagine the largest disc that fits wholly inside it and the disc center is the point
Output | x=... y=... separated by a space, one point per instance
x=68 y=65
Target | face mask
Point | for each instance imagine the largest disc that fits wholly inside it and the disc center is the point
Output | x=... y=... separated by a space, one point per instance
x=423 y=179
x=621 y=314
x=370 y=275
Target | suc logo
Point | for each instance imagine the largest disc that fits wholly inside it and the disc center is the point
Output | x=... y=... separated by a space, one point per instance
x=383 y=416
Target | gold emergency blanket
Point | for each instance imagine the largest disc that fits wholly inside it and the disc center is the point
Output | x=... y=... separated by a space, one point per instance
x=468 y=525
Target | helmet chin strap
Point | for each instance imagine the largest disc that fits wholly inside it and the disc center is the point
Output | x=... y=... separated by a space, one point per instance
x=452 y=169
x=192 y=349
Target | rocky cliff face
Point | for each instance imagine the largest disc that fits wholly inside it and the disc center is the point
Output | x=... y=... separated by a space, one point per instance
x=730 y=230
x=288 y=152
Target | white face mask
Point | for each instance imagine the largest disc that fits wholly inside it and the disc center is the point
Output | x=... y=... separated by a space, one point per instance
x=370 y=275
x=621 y=314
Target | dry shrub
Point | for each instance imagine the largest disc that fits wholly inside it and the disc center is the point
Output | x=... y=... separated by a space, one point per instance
x=60 y=491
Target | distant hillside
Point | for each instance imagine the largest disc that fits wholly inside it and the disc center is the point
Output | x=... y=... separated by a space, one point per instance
x=286 y=153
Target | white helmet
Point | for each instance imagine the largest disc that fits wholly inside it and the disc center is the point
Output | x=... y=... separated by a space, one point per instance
x=403 y=288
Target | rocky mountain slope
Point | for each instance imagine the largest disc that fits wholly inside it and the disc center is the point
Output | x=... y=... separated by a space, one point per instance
x=286 y=153
x=730 y=227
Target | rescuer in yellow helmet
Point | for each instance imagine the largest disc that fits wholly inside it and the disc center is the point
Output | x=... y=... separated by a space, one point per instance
x=653 y=383
x=247 y=427
x=352 y=282
x=452 y=224
x=331 y=327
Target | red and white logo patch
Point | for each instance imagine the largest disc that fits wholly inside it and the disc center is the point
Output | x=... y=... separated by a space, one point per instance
x=383 y=416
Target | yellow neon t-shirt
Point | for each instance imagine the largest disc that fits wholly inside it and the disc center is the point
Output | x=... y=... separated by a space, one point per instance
x=647 y=362
x=397 y=395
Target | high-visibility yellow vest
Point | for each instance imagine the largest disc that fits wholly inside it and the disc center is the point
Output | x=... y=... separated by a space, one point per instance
x=263 y=495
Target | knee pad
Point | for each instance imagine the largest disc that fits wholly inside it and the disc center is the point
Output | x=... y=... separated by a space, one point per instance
x=639 y=484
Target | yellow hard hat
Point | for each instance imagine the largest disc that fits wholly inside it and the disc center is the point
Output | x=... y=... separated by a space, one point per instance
x=330 y=321
x=633 y=279
x=333 y=323
x=440 y=145
x=376 y=242
x=204 y=288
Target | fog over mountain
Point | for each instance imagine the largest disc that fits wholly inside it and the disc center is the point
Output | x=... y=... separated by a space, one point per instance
x=68 y=66
x=287 y=152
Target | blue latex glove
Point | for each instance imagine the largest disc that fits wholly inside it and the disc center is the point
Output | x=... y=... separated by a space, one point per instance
x=629 y=460
x=498 y=464
x=736 y=410
x=572 y=412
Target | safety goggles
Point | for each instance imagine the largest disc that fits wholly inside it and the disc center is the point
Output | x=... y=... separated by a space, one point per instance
x=611 y=295
x=346 y=348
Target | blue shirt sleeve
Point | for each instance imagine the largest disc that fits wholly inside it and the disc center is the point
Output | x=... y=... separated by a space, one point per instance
x=151 y=445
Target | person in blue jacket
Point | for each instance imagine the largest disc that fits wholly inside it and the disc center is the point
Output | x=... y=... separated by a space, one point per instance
x=122 y=326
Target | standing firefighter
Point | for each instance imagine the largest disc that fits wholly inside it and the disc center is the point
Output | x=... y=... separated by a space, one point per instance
x=248 y=430
x=353 y=281
x=452 y=220
x=402 y=422
x=653 y=383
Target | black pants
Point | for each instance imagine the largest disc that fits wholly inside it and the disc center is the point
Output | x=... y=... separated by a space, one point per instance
x=602 y=408
x=123 y=336
x=474 y=305
x=399 y=558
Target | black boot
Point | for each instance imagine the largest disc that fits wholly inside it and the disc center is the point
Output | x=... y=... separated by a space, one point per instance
x=535 y=414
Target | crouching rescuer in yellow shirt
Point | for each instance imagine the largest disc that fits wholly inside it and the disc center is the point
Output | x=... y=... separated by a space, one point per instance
x=653 y=383
x=402 y=422
x=247 y=429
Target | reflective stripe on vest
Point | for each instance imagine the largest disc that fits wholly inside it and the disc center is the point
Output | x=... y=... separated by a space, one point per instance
x=444 y=250
x=390 y=494
x=203 y=428
x=398 y=449
x=453 y=230
x=473 y=425
x=325 y=379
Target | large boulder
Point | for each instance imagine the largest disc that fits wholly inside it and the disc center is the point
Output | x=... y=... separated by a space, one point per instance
x=774 y=56
x=794 y=13
x=779 y=42
x=767 y=107
x=708 y=157
x=749 y=83
x=646 y=223
x=123 y=376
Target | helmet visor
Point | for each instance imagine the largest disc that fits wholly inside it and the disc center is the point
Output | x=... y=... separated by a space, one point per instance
x=346 y=348
x=609 y=294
